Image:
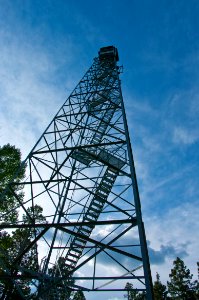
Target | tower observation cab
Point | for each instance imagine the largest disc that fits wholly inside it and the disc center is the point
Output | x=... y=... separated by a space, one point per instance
x=109 y=52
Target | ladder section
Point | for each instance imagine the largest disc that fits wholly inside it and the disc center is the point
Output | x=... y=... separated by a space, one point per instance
x=92 y=214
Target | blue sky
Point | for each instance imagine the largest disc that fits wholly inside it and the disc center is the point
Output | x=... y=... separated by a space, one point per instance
x=45 y=49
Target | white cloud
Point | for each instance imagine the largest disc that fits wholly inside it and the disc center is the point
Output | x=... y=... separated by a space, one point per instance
x=177 y=227
x=185 y=136
x=30 y=95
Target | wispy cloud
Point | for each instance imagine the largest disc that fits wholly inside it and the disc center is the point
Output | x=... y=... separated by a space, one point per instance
x=185 y=136
x=30 y=95
x=172 y=235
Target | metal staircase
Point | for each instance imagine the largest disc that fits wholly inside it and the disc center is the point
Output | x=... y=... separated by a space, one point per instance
x=96 y=205
x=85 y=156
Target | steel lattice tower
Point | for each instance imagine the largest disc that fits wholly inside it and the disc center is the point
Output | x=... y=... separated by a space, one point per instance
x=81 y=172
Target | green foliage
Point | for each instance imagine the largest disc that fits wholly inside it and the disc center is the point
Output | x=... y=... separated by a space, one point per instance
x=195 y=286
x=159 y=289
x=60 y=288
x=35 y=213
x=133 y=294
x=11 y=246
x=10 y=160
x=13 y=243
x=79 y=295
x=180 y=286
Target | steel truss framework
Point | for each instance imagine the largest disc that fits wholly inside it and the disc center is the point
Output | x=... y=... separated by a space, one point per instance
x=81 y=172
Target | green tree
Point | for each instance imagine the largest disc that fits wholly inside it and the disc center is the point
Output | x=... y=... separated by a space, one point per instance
x=13 y=243
x=79 y=295
x=11 y=246
x=133 y=294
x=10 y=160
x=195 y=285
x=159 y=289
x=180 y=285
x=61 y=288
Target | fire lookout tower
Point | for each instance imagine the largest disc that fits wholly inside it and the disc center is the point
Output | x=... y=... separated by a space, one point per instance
x=81 y=173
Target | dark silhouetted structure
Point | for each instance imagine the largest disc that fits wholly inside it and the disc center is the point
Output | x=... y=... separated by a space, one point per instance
x=81 y=172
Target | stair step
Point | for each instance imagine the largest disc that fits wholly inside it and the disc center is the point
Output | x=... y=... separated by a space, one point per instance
x=108 y=180
x=97 y=211
x=73 y=261
x=76 y=250
x=110 y=173
x=101 y=195
x=97 y=205
x=104 y=188
x=73 y=255
x=89 y=219
x=106 y=185
x=91 y=215
x=99 y=200
x=76 y=247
